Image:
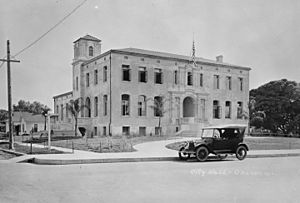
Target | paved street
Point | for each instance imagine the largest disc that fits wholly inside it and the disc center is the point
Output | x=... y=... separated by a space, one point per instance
x=251 y=180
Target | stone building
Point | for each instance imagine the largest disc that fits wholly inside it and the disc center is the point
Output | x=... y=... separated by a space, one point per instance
x=121 y=86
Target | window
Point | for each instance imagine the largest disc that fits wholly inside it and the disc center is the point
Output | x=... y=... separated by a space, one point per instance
x=201 y=80
x=35 y=127
x=216 y=110
x=96 y=106
x=125 y=72
x=228 y=82
x=95 y=131
x=202 y=103
x=105 y=105
x=190 y=78
x=239 y=110
x=125 y=106
x=175 y=77
x=241 y=84
x=142 y=105
x=76 y=86
x=126 y=130
x=91 y=51
x=88 y=107
x=142 y=131
x=158 y=76
x=57 y=109
x=95 y=77
x=61 y=112
x=104 y=73
x=142 y=74
x=104 y=130
x=216 y=82
x=158 y=106
x=67 y=110
x=227 y=109
x=87 y=79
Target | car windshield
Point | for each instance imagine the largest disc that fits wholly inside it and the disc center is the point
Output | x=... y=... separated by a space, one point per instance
x=206 y=133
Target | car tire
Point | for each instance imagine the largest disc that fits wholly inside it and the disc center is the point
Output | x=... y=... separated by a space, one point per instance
x=202 y=153
x=182 y=155
x=241 y=153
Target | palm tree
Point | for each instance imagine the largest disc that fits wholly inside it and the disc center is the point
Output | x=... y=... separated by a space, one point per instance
x=45 y=111
x=75 y=107
x=159 y=110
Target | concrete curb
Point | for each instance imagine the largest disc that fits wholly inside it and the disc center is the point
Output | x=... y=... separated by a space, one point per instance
x=140 y=159
x=12 y=152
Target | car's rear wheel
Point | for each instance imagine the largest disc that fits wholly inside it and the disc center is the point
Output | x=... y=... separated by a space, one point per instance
x=183 y=155
x=202 y=153
x=241 y=152
x=222 y=156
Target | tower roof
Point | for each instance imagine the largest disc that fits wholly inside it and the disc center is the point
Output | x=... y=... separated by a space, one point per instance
x=89 y=37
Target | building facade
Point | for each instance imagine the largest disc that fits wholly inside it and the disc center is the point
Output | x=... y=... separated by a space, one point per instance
x=120 y=88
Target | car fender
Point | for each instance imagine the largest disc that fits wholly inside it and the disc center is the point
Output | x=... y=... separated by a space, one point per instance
x=203 y=145
x=243 y=144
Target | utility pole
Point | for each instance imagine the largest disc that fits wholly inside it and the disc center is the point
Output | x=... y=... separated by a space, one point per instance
x=8 y=60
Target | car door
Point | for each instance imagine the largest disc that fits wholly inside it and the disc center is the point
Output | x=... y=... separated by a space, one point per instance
x=220 y=144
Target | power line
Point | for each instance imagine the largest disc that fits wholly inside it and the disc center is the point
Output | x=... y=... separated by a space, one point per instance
x=52 y=28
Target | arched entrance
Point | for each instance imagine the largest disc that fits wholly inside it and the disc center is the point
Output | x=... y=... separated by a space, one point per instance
x=188 y=107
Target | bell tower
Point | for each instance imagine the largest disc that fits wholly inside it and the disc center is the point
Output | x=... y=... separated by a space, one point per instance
x=86 y=48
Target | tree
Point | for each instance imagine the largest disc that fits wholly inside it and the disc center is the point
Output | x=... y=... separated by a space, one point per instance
x=45 y=111
x=75 y=107
x=35 y=107
x=159 y=109
x=3 y=115
x=280 y=101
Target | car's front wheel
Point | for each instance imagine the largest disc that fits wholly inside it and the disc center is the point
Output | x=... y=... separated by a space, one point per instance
x=241 y=152
x=202 y=153
x=183 y=155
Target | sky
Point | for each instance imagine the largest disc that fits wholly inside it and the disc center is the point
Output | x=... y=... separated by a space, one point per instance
x=261 y=34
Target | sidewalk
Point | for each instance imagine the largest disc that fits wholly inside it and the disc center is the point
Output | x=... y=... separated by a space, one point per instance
x=150 y=151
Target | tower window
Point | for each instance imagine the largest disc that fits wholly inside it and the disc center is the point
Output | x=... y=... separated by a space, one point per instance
x=91 y=51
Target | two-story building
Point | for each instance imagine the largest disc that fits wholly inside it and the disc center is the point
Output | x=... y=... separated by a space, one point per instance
x=120 y=87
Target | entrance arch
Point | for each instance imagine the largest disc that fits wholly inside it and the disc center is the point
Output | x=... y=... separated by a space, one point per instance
x=188 y=107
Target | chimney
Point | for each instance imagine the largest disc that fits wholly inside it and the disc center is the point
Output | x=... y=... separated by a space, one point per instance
x=219 y=59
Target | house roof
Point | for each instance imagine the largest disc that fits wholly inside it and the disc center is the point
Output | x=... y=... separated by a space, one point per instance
x=64 y=94
x=175 y=56
x=28 y=117
x=89 y=37
x=165 y=55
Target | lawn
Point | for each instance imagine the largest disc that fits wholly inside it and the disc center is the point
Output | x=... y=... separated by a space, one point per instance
x=260 y=143
x=27 y=149
x=96 y=144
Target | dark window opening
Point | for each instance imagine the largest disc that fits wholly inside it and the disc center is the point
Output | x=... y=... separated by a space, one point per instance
x=125 y=73
x=158 y=76
x=142 y=74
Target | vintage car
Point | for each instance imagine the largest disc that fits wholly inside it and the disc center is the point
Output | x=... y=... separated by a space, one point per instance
x=217 y=140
